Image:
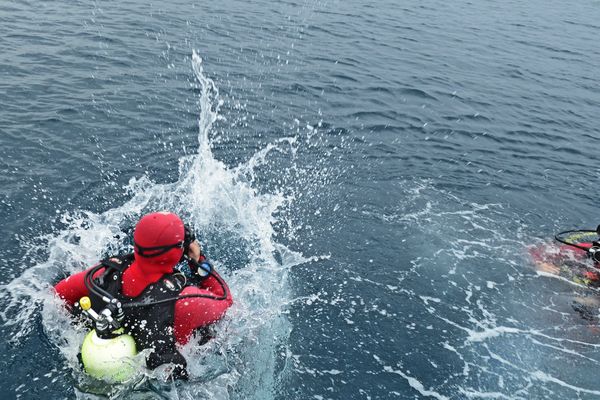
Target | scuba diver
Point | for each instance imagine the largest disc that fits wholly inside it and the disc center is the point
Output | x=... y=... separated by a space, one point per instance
x=577 y=258
x=155 y=298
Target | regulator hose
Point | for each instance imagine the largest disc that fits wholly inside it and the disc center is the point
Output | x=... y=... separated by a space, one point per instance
x=94 y=288
x=560 y=237
x=185 y=296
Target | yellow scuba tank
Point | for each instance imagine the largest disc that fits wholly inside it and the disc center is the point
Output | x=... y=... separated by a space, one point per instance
x=111 y=358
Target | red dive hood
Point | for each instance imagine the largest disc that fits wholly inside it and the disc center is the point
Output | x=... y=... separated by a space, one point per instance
x=156 y=230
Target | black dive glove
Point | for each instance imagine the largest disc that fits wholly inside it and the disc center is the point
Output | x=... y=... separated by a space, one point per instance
x=179 y=372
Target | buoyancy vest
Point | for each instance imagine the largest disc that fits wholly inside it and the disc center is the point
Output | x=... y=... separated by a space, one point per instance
x=151 y=326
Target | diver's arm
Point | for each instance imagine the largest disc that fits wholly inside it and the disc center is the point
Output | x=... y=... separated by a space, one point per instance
x=548 y=268
x=211 y=283
x=72 y=288
x=196 y=312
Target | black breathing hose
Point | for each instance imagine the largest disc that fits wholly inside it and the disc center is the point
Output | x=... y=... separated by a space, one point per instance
x=91 y=286
x=185 y=296
x=558 y=238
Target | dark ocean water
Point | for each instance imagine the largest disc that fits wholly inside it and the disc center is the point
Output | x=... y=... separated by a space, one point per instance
x=367 y=176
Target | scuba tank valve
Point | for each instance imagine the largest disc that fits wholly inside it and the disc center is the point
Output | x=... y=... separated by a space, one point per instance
x=107 y=320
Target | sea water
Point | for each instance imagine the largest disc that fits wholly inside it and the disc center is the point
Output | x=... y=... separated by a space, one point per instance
x=366 y=176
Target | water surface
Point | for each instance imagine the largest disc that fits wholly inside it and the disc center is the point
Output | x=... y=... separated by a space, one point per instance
x=367 y=174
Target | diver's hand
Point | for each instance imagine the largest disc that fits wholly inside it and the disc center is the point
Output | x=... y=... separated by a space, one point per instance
x=194 y=251
x=548 y=268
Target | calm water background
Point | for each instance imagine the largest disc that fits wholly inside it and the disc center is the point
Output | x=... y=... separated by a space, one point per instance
x=431 y=142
